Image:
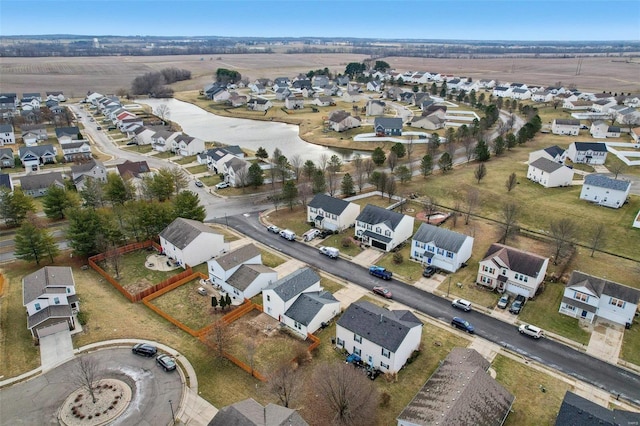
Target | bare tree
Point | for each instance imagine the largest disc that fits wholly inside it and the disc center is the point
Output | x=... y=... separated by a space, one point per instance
x=285 y=383
x=323 y=161
x=616 y=169
x=469 y=144
x=563 y=232
x=510 y=213
x=409 y=146
x=163 y=112
x=451 y=148
x=471 y=203
x=392 y=160
x=511 y=182
x=359 y=172
x=597 y=236
x=250 y=347
x=480 y=172
x=391 y=186
x=430 y=206
x=85 y=375
x=455 y=213
x=332 y=183
x=242 y=177
x=369 y=166
x=304 y=191
x=219 y=338
x=296 y=163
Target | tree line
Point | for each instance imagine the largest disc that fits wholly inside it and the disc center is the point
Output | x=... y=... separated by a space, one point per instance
x=155 y=83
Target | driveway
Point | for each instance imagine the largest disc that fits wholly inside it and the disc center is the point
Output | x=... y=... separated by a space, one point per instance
x=606 y=341
x=55 y=349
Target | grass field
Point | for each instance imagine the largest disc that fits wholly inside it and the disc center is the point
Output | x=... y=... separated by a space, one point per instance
x=188 y=306
x=134 y=275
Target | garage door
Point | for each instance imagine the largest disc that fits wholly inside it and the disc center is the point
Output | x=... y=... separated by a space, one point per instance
x=378 y=244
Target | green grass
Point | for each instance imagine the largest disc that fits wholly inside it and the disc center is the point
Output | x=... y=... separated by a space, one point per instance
x=294 y=219
x=270 y=259
x=142 y=149
x=543 y=312
x=187 y=306
x=186 y=160
x=335 y=240
x=330 y=285
x=210 y=180
x=134 y=275
x=409 y=270
x=198 y=169
x=375 y=200
x=631 y=344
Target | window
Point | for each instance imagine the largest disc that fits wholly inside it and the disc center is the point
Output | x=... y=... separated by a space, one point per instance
x=387 y=233
x=450 y=255
x=357 y=351
x=383 y=365
x=570 y=308
x=486 y=280
x=440 y=252
x=617 y=302
x=37 y=305
x=581 y=296
x=268 y=298
x=386 y=353
x=431 y=249
x=56 y=300
x=68 y=290
x=297 y=325
x=357 y=338
x=340 y=342
x=378 y=229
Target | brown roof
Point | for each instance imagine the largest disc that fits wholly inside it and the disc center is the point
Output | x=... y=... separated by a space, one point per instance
x=516 y=260
x=133 y=168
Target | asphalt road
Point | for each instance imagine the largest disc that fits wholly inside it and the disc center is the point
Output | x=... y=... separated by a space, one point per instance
x=545 y=351
x=36 y=401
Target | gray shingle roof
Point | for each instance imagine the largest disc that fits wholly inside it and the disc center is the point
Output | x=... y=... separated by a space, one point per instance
x=6 y=128
x=567 y=122
x=602 y=181
x=554 y=151
x=51 y=311
x=133 y=168
x=38 y=151
x=67 y=131
x=237 y=256
x=181 y=232
x=459 y=392
x=247 y=274
x=307 y=306
x=441 y=237
x=339 y=116
x=5 y=181
x=388 y=122
x=293 y=284
x=602 y=286
x=251 y=413
x=85 y=167
x=546 y=165
x=578 y=411
x=373 y=215
x=590 y=146
x=329 y=204
x=385 y=328
x=40 y=181
x=36 y=284
x=517 y=260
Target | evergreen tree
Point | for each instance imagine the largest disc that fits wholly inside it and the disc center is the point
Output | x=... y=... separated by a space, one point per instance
x=187 y=205
x=228 y=299
x=56 y=200
x=214 y=302
x=308 y=170
x=426 y=165
x=84 y=228
x=319 y=182
x=15 y=206
x=378 y=156
x=347 y=186
x=445 y=162
x=499 y=146
x=117 y=190
x=33 y=243
x=482 y=151
x=404 y=174
x=92 y=193
x=256 y=175
x=399 y=150
x=290 y=193
x=262 y=153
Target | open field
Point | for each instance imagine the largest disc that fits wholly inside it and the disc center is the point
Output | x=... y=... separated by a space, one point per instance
x=76 y=75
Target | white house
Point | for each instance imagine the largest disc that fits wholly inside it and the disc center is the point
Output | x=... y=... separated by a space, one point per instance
x=340 y=121
x=636 y=221
x=293 y=102
x=515 y=271
x=600 y=129
x=32 y=157
x=553 y=153
x=384 y=339
x=259 y=104
x=331 y=213
x=382 y=228
x=235 y=171
x=279 y=296
x=93 y=169
x=241 y=273
x=565 y=127
x=605 y=191
x=587 y=152
x=7 y=135
x=441 y=247
x=542 y=96
x=375 y=107
x=549 y=173
x=588 y=297
x=187 y=145
x=190 y=242
x=37 y=185
x=49 y=295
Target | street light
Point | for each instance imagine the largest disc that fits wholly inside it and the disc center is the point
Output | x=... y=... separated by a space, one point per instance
x=173 y=416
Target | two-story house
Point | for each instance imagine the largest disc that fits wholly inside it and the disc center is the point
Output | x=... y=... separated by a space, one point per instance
x=340 y=120
x=32 y=157
x=382 y=228
x=259 y=104
x=76 y=151
x=188 y=145
x=331 y=213
x=92 y=169
x=387 y=126
x=440 y=247
x=605 y=191
x=510 y=270
x=7 y=135
x=587 y=152
x=549 y=174
x=553 y=153
x=565 y=127
x=375 y=107
x=37 y=185
x=588 y=297
x=7 y=158
x=190 y=242
x=382 y=338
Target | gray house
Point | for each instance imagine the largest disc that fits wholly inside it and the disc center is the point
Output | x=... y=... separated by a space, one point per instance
x=37 y=185
x=576 y=410
x=386 y=126
x=251 y=413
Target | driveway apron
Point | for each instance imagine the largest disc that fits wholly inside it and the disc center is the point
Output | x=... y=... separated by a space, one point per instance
x=55 y=349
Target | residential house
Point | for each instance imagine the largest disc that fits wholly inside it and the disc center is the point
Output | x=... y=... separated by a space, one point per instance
x=216 y=157
x=331 y=213
x=283 y=93
x=520 y=94
x=240 y=273
x=340 y=120
x=625 y=115
x=76 y=151
x=320 y=81
x=394 y=93
x=386 y=126
x=420 y=98
x=7 y=136
x=577 y=105
x=32 y=134
x=455 y=391
x=600 y=129
x=67 y=134
x=588 y=298
x=162 y=140
x=587 y=152
x=302 y=84
x=280 y=82
x=406 y=97
x=576 y=410
x=549 y=174
x=605 y=191
x=56 y=96
x=37 y=185
x=382 y=228
x=217 y=92
x=32 y=157
x=565 y=127
x=251 y=413
x=293 y=102
x=342 y=80
x=236 y=100
x=636 y=221
x=603 y=105
x=129 y=124
x=259 y=104
x=374 y=86
x=383 y=338
x=542 y=96
x=510 y=270
x=49 y=295
x=486 y=84
x=501 y=92
x=190 y=242
x=375 y=107
x=440 y=247
x=188 y=145
x=6 y=158
x=6 y=181
x=257 y=88
x=133 y=169
x=635 y=135
x=428 y=122
x=323 y=101
x=553 y=153
x=236 y=171
x=92 y=169
x=32 y=95
x=143 y=135
x=351 y=96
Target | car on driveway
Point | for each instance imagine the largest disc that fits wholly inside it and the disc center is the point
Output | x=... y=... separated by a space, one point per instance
x=515 y=307
x=465 y=305
x=383 y=291
x=325 y=233
x=429 y=271
x=504 y=301
x=166 y=362
x=462 y=324
x=273 y=228
x=222 y=185
x=531 y=330
x=144 y=349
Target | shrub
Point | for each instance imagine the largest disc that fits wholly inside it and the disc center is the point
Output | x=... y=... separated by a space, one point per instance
x=385 y=399
x=346 y=242
x=397 y=258
x=83 y=318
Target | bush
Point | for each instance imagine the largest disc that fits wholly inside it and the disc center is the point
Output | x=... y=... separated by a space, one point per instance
x=83 y=318
x=397 y=258
x=385 y=399
x=346 y=242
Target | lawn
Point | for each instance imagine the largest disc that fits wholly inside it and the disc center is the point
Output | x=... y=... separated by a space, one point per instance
x=270 y=259
x=186 y=160
x=228 y=235
x=294 y=219
x=134 y=275
x=188 y=306
x=375 y=200
x=408 y=270
x=197 y=169
x=631 y=344
x=141 y=149
x=532 y=406
x=330 y=285
x=336 y=240
x=210 y=180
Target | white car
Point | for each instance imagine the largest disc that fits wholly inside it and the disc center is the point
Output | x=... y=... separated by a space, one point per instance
x=465 y=305
x=531 y=330
x=222 y=185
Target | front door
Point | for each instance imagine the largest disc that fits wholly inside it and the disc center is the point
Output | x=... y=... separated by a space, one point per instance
x=370 y=360
x=584 y=314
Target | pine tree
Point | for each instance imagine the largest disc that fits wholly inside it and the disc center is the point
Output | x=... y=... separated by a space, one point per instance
x=347 y=186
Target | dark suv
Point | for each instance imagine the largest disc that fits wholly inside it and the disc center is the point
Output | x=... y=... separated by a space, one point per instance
x=517 y=304
x=144 y=349
x=462 y=324
x=429 y=271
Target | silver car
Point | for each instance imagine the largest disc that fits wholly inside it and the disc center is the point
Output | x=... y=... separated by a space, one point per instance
x=465 y=305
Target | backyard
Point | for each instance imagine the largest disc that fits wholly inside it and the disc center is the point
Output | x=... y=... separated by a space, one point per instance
x=134 y=275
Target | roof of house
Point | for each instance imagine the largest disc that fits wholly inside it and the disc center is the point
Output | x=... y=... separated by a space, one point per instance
x=6 y=153
x=85 y=167
x=6 y=128
x=388 y=122
x=73 y=145
x=590 y=146
x=133 y=168
x=546 y=165
x=566 y=122
x=247 y=274
x=40 y=181
x=251 y=413
x=236 y=163
x=373 y=215
x=383 y=327
x=67 y=131
x=51 y=311
x=329 y=204
x=5 y=181
x=307 y=306
x=600 y=286
x=578 y=411
x=338 y=116
x=38 y=150
x=293 y=284
x=50 y=279
x=554 y=151
x=460 y=392
x=237 y=256
x=602 y=181
x=181 y=232
x=516 y=260
x=32 y=127
x=441 y=237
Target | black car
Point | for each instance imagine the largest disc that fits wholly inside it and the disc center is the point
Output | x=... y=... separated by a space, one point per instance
x=516 y=307
x=462 y=324
x=429 y=271
x=166 y=362
x=325 y=233
x=144 y=349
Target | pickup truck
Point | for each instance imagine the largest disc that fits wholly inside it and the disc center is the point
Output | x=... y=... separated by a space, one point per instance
x=380 y=272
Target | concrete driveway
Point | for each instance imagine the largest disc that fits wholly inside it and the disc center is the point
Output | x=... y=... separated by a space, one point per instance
x=55 y=349
x=606 y=341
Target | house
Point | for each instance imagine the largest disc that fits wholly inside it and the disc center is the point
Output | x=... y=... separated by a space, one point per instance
x=576 y=410
x=375 y=107
x=236 y=100
x=323 y=101
x=32 y=157
x=215 y=155
x=187 y=145
x=382 y=228
x=92 y=169
x=129 y=124
x=501 y=92
x=565 y=127
x=340 y=120
x=280 y=82
x=190 y=242
x=605 y=191
x=549 y=173
x=133 y=169
x=553 y=153
x=374 y=86
x=331 y=213
x=544 y=96
x=520 y=94
x=293 y=102
x=35 y=131
x=351 y=96
x=576 y=105
x=625 y=115
x=635 y=135
x=259 y=104
x=37 y=185
x=283 y=93
x=56 y=96
x=600 y=129
x=588 y=297
x=67 y=134
x=7 y=136
x=383 y=338
x=394 y=93
x=251 y=413
x=6 y=158
x=300 y=84
x=257 y=88
x=440 y=247
x=240 y=273
x=49 y=295
x=505 y=268
x=76 y=151
x=162 y=140
x=428 y=122
x=143 y=135
x=587 y=152
x=460 y=392
x=6 y=182
x=386 y=126
x=320 y=81
x=406 y=97
x=236 y=171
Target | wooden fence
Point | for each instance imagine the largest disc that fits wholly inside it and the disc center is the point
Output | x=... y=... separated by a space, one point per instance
x=1 y=284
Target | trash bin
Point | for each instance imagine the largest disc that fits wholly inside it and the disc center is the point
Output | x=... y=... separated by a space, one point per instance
x=627 y=325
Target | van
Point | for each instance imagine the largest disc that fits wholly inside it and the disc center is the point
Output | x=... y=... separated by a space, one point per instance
x=310 y=234
x=288 y=234
x=332 y=252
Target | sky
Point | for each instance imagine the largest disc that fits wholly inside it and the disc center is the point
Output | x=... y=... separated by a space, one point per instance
x=561 y=20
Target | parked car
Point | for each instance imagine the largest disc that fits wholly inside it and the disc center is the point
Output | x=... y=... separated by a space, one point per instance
x=222 y=185
x=332 y=252
x=462 y=324
x=429 y=271
x=166 y=362
x=111 y=128
x=288 y=234
x=132 y=143
x=202 y=291
x=325 y=233
x=531 y=330
x=273 y=228
x=465 y=305
x=383 y=291
x=144 y=349
x=98 y=128
x=515 y=307
x=310 y=234
x=199 y=184
x=380 y=272
x=504 y=301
